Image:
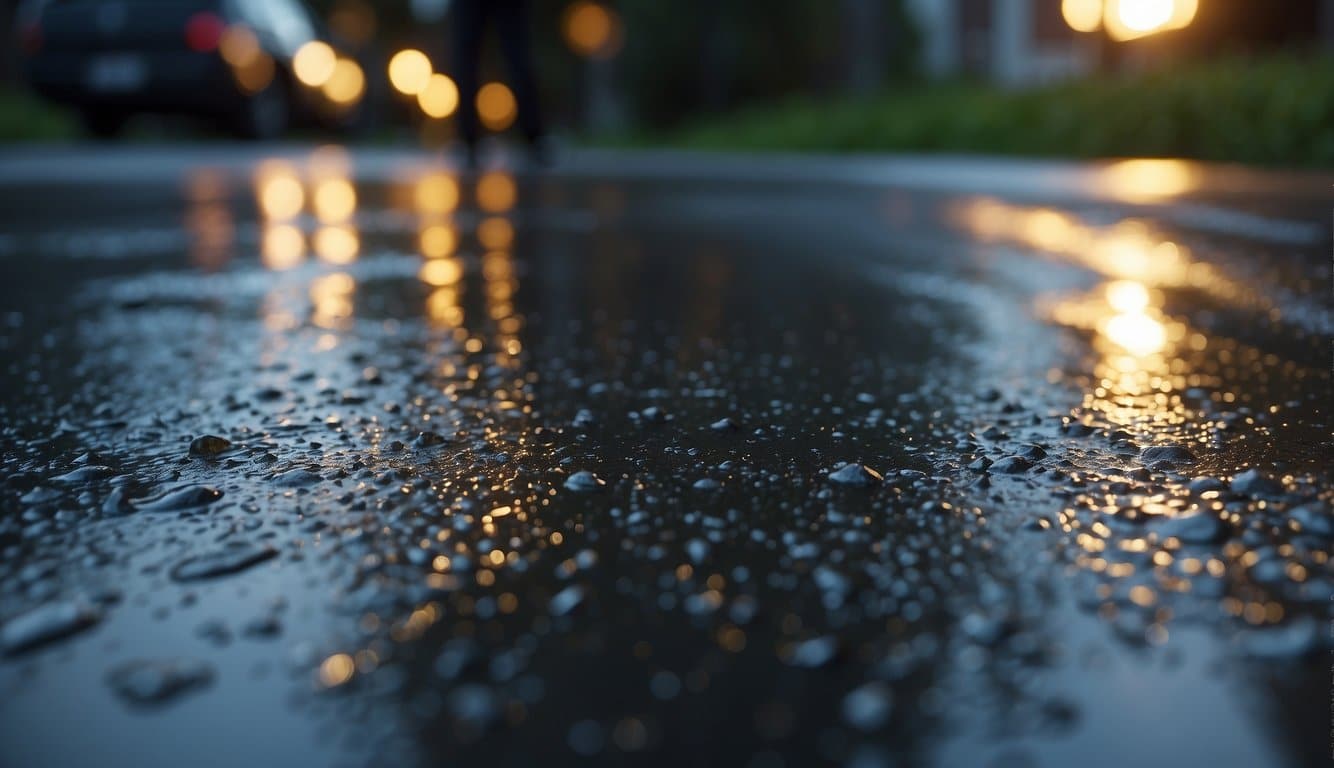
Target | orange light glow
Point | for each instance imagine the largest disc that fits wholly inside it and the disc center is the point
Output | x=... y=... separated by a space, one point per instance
x=409 y=72
x=282 y=247
x=495 y=233
x=1149 y=180
x=1082 y=15
x=1130 y=19
x=314 y=63
x=279 y=191
x=440 y=272
x=346 y=84
x=437 y=194
x=437 y=241
x=496 y=107
x=439 y=98
x=334 y=200
x=496 y=192
x=336 y=245
x=591 y=29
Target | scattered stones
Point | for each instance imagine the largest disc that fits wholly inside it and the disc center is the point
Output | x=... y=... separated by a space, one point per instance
x=1165 y=454
x=1256 y=484
x=45 y=624
x=1314 y=519
x=1012 y=465
x=868 y=707
x=223 y=562
x=209 y=446
x=724 y=425
x=151 y=683
x=584 y=482
x=1198 y=528
x=858 y=475
x=180 y=499
x=1294 y=639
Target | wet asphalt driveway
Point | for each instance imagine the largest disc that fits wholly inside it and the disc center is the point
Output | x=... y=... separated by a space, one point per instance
x=318 y=458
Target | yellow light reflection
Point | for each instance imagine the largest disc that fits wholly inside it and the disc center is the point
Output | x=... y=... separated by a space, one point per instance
x=314 y=63
x=283 y=247
x=279 y=191
x=496 y=192
x=346 y=83
x=1127 y=296
x=496 y=107
x=439 y=98
x=1130 y=19
x=336 y=244
x=1136 y=332
x=331 y=299
x=495 y=233
x=442 y=307
x=441 y=272
x=336 y=670
x=1082 y=15
x=437 y=241
x=1146 y=181
x=410 y=72
x=436 y=194
x=334 y=200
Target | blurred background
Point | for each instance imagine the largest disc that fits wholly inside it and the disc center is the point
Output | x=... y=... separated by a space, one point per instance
x=1230 y=80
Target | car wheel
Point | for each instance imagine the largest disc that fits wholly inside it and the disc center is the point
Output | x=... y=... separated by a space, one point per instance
x=267 y=114
x=104 y=124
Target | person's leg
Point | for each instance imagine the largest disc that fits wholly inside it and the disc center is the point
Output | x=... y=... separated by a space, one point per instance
x=512 y=22
x=469 y=27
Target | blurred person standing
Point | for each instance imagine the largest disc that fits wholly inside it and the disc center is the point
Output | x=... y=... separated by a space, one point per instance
x=511 y=19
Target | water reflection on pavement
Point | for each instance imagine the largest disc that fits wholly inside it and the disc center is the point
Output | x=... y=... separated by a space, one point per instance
x=312 y=464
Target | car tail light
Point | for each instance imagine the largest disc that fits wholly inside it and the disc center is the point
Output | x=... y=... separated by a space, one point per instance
x=203 y=32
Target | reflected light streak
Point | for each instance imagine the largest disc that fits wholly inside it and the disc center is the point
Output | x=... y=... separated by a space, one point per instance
x=441 y=272
x=437 y=241
x=496 y=192
x=1149 y=180
x=279 y=191
x=334 y=200
x=495 y=233
x=336 y=244
x=1126 y=250
x=282 y=247
x=331 y=299
x=436 y=194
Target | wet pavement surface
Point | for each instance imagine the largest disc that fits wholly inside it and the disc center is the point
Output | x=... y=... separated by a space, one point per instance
x=317 y=458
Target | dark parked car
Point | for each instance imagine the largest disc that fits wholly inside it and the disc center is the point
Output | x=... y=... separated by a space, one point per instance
x=257 y=66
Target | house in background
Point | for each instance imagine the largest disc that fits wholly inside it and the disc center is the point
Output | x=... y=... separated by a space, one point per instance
x=1021 y=43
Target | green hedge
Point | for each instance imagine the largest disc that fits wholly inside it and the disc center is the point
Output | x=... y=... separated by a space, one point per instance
x=1277 y=111
x=23 y=117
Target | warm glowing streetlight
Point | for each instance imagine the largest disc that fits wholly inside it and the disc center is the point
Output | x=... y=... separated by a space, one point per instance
x=346 y=84
x=409 y=72
x=440 y=97
x=496 y=106
x=314 y=63
x=1082 y=15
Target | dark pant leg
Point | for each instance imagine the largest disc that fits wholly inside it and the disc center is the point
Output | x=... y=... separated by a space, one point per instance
x=469 y=27
x=512 y=22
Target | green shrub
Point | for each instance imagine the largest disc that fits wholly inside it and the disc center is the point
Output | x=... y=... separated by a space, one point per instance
x=1277 y=111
